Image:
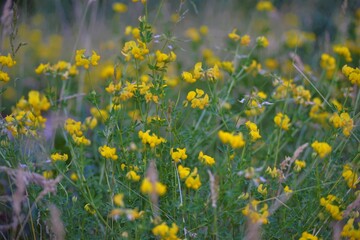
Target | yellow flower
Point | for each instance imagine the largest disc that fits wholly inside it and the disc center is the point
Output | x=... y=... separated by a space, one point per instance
x=349 y=231
x=254 y=131
x=282 y=121
x=197 y=99
x=119 y=200
x=343 y=121
x=183 y=171
x=48 y=174
x=321 y=148
x=299 y=165
x=287 y=189
x=350 y=176
x=262 y=190
x=4 y=77
x=245 y=40
x=265 y=6
x=308 y=236
x=42 y=68
x=152 y=140
x=328 y=64
x=119 y=7
x=353 y=74
x=255 y=214
x=7 y=61
x=179 y=154
x=147 y=187
x=233 y=35
x=108 y=152
x=262 y=41
x=74 y=177
x=59 y=157
x=205 y=159
x=343 y=51
x=133 y=176
x=90 y=209
x=164 y=232
x=235 y=140
x=333 y=209
x=193 y=180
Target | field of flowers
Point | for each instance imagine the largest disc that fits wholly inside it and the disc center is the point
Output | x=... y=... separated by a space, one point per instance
x=179 y=119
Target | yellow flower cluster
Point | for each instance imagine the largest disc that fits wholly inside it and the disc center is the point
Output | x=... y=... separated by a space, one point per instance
x=282 y=121
x=308 y=236
x=254 y=131
x=334 y=210
x=352 y=73
x=198 y=72
x=343 y=121
x=59 y=157
x=119 y=7
x=82 y=60
x=74 y=129
x=317 y=111
x=343 y=51
x=349 y=231
x=244 y=40
x=164 y=232
x=133 y=176
x=255 y=214
x=255 y=104
x=108 y=152
x=152 y=139
x=197 y=99
x=131 y=214
x=235 y=140
x=6 y=61
x=205 y=159
x=264 y=6
x=321 y=148
x=301 y=95
x=298 y=165
x=26 y=117
x=193 y=180
x=328 y=64
x=163 y=59
x=178 y=155
x=62 y=69
x=134 y=50
x=262 y=41
x=148 y=187
x=283 y=88
x=350 y=176
x=254 y=68
x=183 y=171
x=263 y=191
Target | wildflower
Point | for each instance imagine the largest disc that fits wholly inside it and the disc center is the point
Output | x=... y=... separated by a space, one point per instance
x=254 y=68
x=42 y=68
x=262 y=41
x=343 y=121
x=308 y=236
x=183 y=171
x=59 y=157
x=264 y=6
x=148 y=187
x=152 y=140
x=119 y=7
x=133 y=176
x=273 y=172
x=228 y=66
x=108 y=152
x=205 y=159
x=254 y=131
x=179 y=154
x=197 y=99
x=350 y=176
x=271 y=63
x=90 y=209
x=328 y=64
x=213 y=73
x=299 y=165
x=333 y=209
x=287 y=190
x=235 y=140
x=7 y=61
x=301 y=95
x=255 y=214
x=119 y=200
x=135 y=50
x=193 y=180
x=317 y=111
x=4 y=77
x=233 y=35
x=74 y=177
x=193 y=34
x=82 y=60
x=282 y=121
x=165 y=232
x=349 y=231
x=48 y=174
x=321 y=148
x=343 y=51
x=262 y=190
x=353 y=74
x=245 y=40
